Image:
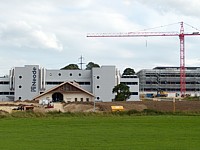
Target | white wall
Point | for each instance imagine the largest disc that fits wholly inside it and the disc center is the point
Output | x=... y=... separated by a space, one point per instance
x=133 y=88
x=69 y=97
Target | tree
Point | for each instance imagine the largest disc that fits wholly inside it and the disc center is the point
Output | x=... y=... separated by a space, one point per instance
x=71 y=67
x=128 y=71
x=91 y=65
x=123 y=92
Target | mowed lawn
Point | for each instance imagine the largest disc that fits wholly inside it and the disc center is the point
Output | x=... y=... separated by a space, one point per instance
x=101 y=133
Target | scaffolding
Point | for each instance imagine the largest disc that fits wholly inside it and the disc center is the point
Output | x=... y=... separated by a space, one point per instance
x=168 y=79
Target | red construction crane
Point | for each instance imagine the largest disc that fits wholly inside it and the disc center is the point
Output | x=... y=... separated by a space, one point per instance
x=146 y=34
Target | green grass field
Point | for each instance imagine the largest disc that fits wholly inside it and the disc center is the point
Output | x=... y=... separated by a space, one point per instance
x=101 y=133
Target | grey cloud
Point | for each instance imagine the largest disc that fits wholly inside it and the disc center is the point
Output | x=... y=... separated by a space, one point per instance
x=62 y=25
x=183 y=7
x=22 y=34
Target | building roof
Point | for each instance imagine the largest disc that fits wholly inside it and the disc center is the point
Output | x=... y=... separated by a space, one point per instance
x=188 y=68
x=74 y=84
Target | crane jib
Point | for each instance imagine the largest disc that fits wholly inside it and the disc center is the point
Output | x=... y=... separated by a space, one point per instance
x=181 y=36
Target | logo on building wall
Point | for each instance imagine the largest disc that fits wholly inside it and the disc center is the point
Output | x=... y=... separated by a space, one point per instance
x=34 y=79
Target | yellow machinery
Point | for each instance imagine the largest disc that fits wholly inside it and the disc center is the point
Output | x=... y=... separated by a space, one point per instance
x=117 y=108
x=162 y=94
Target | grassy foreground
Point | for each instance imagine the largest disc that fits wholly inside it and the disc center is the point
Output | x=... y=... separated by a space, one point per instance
x=101 y=133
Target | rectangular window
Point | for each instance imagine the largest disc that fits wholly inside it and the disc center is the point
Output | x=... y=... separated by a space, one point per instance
x=53 y=83
x=84 y=83
x=75 y=99
x=130 y=83
x=134 y=93
x=12 y=93
x=87 y=99
x=81 y=99
x=7 y=93
x=4 y=82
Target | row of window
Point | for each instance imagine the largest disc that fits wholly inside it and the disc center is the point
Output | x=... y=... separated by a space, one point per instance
x=129 y=76
x=165 y=82
x=70 y=74
x=53 y=83
x=81 y=100
x=7 y=93
x=130 y=83
x=57 y=83
x=84 y=83
x=4 y=82
x=76 y=99
x=60 y=74
x=168 y=89
x=173 y=75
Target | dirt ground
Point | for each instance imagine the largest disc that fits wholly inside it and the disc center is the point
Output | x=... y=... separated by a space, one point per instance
x=191 y=106
x=9 y=106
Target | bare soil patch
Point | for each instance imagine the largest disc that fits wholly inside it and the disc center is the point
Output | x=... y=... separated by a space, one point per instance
x=165 y=106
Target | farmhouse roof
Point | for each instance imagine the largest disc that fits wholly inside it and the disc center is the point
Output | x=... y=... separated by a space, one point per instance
x=74 y=84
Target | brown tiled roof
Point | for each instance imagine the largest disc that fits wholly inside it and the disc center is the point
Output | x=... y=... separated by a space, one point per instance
x=74 y=84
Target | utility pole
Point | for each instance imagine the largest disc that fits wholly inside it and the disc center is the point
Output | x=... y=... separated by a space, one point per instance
x=94 y=93
x=81 y=62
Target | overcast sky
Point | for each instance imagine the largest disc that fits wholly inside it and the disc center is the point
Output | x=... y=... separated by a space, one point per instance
x=52 y=33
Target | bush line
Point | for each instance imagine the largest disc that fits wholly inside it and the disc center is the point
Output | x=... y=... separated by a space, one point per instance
x=145 y=112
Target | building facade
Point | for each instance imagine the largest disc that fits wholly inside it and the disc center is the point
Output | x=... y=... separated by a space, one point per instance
x=25 y=83
x=133 y=83
x=168 y=79
x=67 y=92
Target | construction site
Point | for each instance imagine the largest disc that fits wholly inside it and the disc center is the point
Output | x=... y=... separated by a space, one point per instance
x=158 y=88
x=85 y=107
x=168 y=79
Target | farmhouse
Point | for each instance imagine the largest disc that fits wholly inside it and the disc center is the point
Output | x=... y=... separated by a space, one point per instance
x=68 y=92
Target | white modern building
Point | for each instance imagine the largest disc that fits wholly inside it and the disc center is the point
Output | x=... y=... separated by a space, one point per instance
x=28 y=82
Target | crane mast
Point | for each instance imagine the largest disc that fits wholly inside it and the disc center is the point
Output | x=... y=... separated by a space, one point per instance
x=147 y=34
x=182 y=61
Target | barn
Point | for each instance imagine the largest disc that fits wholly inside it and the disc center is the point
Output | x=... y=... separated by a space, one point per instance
x=67 y=92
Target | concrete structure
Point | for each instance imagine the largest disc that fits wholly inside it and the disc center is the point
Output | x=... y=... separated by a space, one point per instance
x=133 y=82
x=168 y=79
x=25 y=83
